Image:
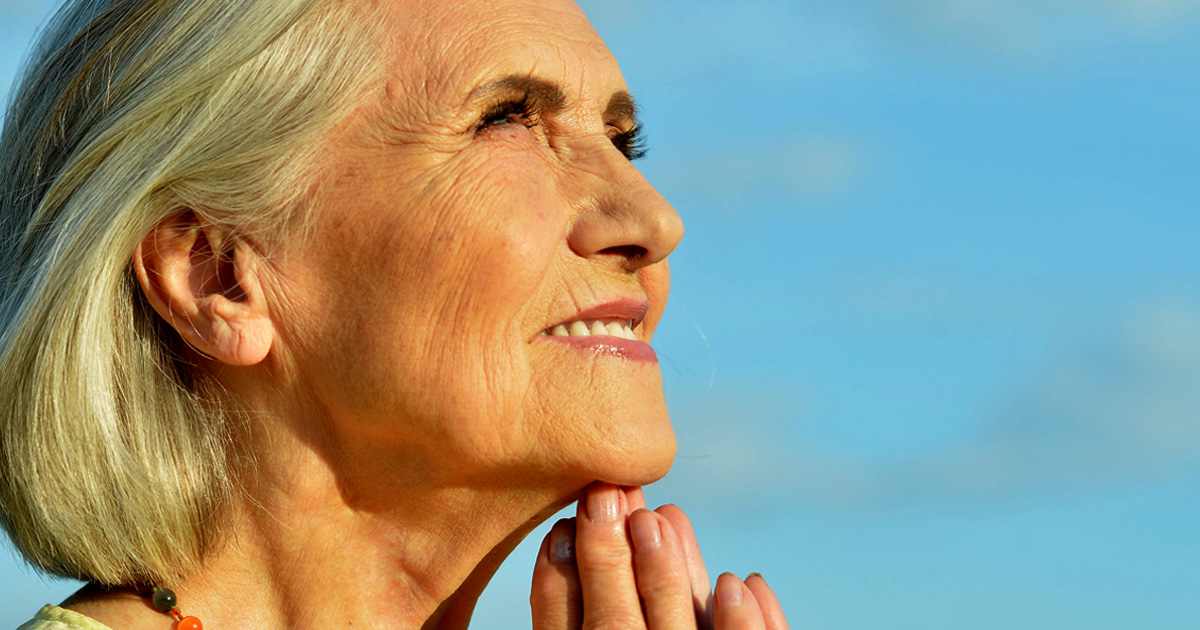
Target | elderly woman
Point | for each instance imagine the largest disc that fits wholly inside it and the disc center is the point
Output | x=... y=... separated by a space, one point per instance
x=312 y=309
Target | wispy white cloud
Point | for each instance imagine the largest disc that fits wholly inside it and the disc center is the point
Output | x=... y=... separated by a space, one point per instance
x=1153 y=14
x=773 y=38
x=1036 y=31
x=814 y=165
x=1123 y=410
x=785 y=40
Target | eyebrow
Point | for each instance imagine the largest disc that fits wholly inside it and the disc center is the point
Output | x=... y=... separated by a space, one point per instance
x=621 y=105
x=548 y=94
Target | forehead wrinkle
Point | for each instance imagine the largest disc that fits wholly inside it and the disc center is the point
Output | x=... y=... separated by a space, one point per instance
x=430 y=86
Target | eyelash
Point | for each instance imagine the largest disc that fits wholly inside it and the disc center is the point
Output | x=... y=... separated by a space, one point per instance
x=631 y=143
x=517 y=110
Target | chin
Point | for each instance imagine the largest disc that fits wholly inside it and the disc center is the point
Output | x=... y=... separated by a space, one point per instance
x=651 y=467
x=641 y=457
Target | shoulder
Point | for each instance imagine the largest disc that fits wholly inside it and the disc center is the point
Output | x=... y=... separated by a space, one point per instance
x=55 y=618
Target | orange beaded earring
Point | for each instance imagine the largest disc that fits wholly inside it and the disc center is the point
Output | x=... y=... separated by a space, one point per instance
x=163 y=600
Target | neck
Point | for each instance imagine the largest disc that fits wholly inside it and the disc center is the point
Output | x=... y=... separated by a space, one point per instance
x=377 y=549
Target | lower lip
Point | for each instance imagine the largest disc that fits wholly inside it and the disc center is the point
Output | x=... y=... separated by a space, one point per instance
x=610 y=346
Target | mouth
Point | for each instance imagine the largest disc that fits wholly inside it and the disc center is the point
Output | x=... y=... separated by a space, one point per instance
x=621 y=329
x=615 y=318
x=611 y=329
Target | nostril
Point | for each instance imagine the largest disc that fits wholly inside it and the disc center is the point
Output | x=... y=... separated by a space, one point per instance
x=631 y=252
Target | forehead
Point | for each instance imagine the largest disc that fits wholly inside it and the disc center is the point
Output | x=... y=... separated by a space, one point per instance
x=443 y=50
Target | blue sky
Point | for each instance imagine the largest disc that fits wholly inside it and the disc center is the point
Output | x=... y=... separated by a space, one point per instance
x=933 y=351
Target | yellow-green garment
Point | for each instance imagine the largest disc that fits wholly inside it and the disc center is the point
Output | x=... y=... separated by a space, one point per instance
x=55 y=618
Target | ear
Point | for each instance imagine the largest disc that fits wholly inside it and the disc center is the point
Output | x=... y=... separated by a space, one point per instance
x=208 y=289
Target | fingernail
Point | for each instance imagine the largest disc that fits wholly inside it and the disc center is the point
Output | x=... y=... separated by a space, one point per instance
x=756 y=574
x=729 y=591
x=644 y=529
x=604 y=504
x=562 y=543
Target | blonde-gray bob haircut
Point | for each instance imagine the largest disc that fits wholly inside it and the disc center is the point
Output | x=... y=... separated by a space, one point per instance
x=115 y=467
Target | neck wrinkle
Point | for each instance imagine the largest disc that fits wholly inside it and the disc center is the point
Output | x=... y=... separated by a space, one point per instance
x=301 y=557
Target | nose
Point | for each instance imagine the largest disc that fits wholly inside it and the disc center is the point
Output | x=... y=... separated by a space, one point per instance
x=620 y=216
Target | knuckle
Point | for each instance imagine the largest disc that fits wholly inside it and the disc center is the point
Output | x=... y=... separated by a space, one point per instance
x=616 y=620
x=664 y=583
x=603 y=557
x=547 y=591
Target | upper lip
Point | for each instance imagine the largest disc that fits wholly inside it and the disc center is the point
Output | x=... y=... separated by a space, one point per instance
x=624 y=309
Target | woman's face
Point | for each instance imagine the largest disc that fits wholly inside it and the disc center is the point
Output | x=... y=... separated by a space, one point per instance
x=481 y=197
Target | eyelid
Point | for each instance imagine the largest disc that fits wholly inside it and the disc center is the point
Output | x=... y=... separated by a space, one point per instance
x=502 y=110
x=631 y=142
x=507 y=108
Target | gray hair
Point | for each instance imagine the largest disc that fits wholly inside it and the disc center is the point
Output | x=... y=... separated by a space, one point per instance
x=116 y=470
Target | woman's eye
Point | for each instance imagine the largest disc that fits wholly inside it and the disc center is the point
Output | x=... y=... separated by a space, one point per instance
x=507 y=113
x=632 y=143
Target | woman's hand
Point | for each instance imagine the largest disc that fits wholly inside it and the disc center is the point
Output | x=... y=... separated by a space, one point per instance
x=618 y=565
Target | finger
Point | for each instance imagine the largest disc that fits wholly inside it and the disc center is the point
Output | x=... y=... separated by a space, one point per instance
x=772 y=612
x=605 y=561
x=637 y=498
x=734 y=606
x=701 y=587
x=555 y=598
x=661 y=572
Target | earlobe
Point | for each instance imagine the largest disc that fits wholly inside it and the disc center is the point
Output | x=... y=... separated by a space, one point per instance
x=206 y=289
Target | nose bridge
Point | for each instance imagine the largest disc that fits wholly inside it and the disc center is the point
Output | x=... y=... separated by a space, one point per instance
x=620 y=212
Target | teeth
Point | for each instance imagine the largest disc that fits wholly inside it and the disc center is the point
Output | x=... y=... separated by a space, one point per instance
x=622 y=330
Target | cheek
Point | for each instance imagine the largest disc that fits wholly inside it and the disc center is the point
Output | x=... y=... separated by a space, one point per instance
x=502 y=229
x=446 y=306
x=656 y=280
x=508 y=248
